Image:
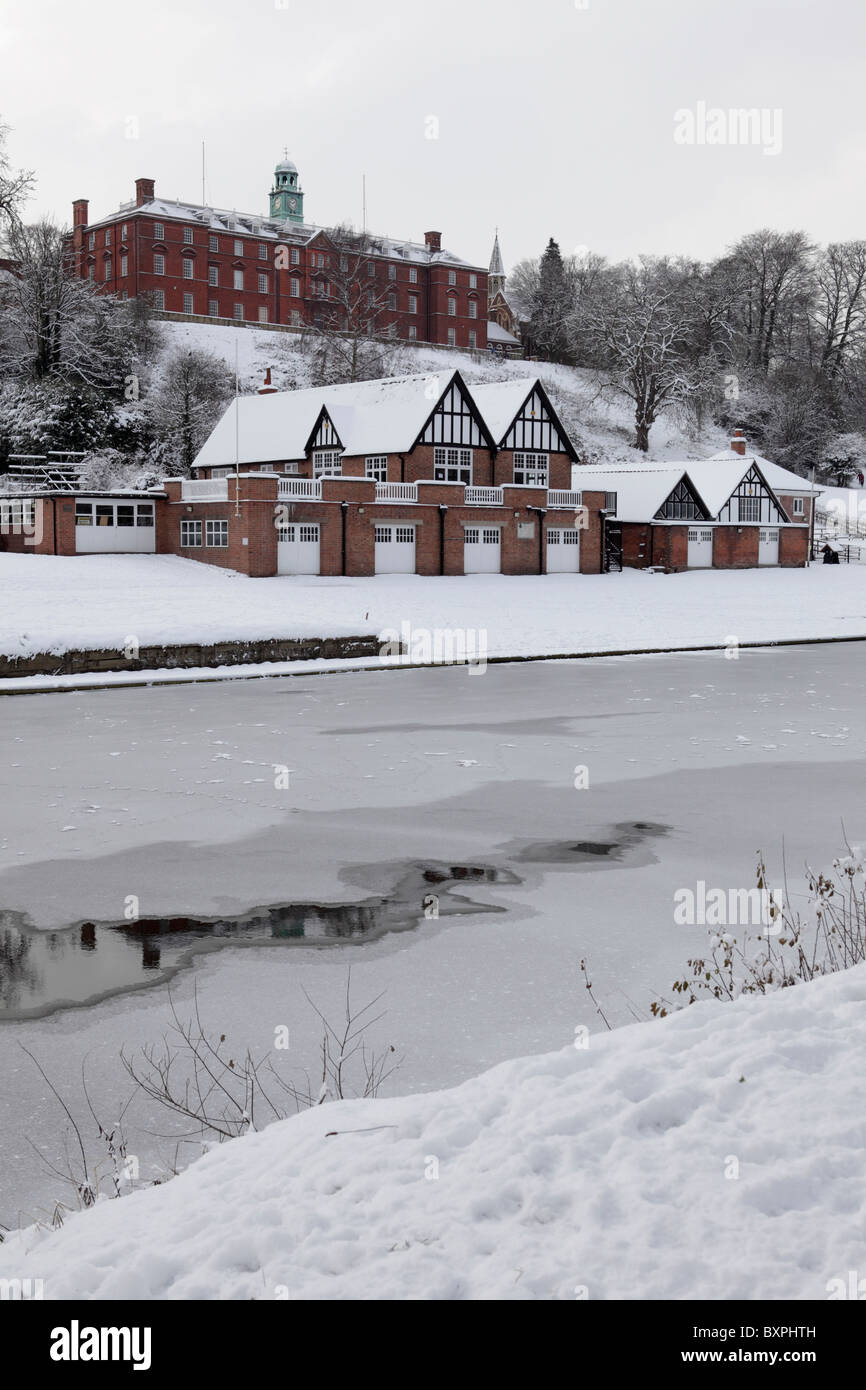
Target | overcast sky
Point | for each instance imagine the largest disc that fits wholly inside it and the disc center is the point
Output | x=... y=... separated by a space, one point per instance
x=555 y=117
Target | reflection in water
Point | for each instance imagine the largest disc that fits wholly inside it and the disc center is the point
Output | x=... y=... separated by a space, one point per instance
x=40 y=971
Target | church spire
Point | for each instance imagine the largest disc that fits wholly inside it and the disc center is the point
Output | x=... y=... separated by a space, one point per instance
x=497 y=267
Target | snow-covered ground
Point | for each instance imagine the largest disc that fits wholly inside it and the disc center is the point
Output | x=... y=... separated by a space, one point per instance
x=169 y=794
x=716 y=1154
x=53 y=604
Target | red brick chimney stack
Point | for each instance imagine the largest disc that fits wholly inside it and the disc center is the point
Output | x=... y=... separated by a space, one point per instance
x=79 y=212
x=268 y=389
x=144 y=191
x=738 y=443
x=433 y=240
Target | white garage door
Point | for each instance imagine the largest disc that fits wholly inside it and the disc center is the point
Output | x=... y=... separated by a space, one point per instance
x=298 y=548
x=700 y=549
x=482 y=550
x=768 y=547
x=395 y=549
x=105 y=527
x=563 y=550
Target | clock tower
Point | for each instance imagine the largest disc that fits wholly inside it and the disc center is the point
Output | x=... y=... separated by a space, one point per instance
x=287 y=198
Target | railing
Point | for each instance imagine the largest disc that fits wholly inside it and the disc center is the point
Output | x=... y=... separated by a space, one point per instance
x=558 y=498
x=310 y=489
x=205 y=490
x=484 y=497
x=396 y=492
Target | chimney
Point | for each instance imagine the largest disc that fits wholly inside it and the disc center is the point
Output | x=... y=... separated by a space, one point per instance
x=79 y=212
x=738 y=443
x=433 y=240
x=143 y=191
x=267 y=389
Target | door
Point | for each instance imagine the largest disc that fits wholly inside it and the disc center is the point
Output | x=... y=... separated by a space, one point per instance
x=768 y=547
x=700 y=548
x=482 y=550
x=395 y=549
x=298 y=548
x=563 y=550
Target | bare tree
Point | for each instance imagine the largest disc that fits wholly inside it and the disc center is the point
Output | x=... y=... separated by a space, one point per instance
x=840 y=307
x=355 y=307
x=189 y=400
x=15 y=184
x=776 y=276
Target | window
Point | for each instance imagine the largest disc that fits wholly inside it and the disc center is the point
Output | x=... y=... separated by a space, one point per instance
x=17 y=514
x=188 y=267
x=404 y=535
x=239 y=248
x=239 y=279
x=263 y=252
x=294 y=288
x=295 y=256
x=104 y=513
x=158 y=231
x=413 y=331
x=413 y=304
x=263 y=313
x=383 y=535
x=377 y=467
x=392 y=330
x=83 y=513
x=187 y=304
x=123 y=232
x=413 y=276
x=239 y=312
x=799 y=509
x=125 y=514
x=473 y=308
x=213 y=243
x=91 y=271
x=473 y=282
x=472 y=535
x=452 y=337
x=344 y=264
x=190 y=535
x=213 y=308
x=531 y=470
x=392 y=272
x=263 y=284
x=159 y=265
x=295 y=318
x=108 y=236
x=213 y=275
x=452 y=306
x=144 y=514
x=216 y=535
x=750 y=509
x=91 y=242
x=452 y=277
x=321 y=261
x=371 y=269
x=187 y=236
x=124 y=294
x=392 y=301
x=452 y=466
x=106 y=268
x=124 y=266
x=473 y=339
x=610 y=503
x=327 y=463
x=159 y=299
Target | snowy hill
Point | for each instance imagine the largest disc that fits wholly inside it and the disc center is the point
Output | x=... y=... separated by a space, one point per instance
x=716 y=1154
x=601 y=429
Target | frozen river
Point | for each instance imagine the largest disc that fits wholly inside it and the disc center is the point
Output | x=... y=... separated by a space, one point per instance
x=553 y=810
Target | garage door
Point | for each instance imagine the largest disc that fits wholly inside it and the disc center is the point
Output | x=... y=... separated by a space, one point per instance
x=768 y=547
x=395 y=549
x=482 y=550
x=700 y=549
x=298 y=548
x=563 y=550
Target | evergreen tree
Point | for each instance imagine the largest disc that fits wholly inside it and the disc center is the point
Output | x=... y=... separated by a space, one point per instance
x=552 y=306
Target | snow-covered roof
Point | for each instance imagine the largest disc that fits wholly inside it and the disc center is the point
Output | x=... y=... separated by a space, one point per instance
x=272 y=229
x=500 y=401
x=780 y=479
x=384 y=416
x=640 y=491
x=497 y=334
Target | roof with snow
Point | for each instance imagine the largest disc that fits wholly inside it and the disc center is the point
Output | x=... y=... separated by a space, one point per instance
x=640 y=492
x=714 y=480
x=271 y=229
x=501 y=401
x=780 y=479
x=497 y=334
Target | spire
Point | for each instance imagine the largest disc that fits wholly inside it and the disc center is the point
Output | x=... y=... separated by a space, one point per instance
x=497 y=267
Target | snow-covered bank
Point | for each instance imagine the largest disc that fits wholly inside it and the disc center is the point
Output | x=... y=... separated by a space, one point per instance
x=716 y=1154
x=54 y=604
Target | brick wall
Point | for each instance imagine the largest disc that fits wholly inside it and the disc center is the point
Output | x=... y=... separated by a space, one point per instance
x=735 y=547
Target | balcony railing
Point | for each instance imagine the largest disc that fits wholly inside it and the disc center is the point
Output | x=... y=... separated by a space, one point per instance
x=301 y=489
x=205 y=490
x=484 y=497
x=396 y=492
x=565 y=500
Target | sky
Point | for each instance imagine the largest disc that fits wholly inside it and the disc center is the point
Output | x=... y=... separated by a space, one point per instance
x=575 y=119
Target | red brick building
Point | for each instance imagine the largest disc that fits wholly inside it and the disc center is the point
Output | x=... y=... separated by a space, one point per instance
x=732 y=511
x=204 y=262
